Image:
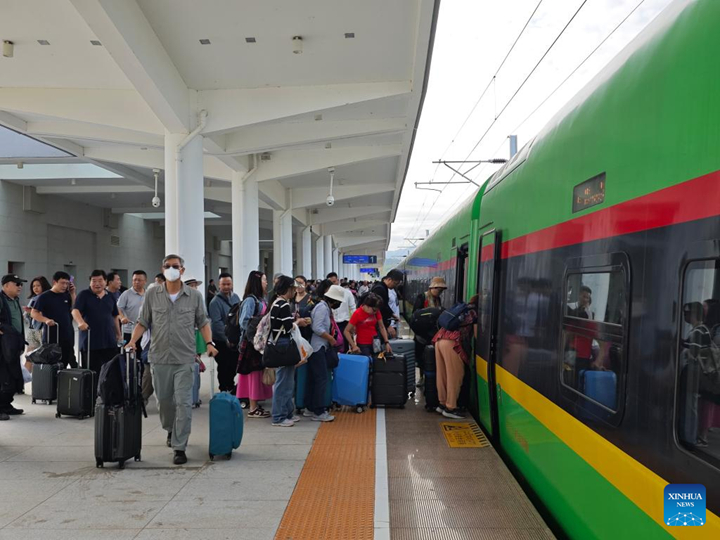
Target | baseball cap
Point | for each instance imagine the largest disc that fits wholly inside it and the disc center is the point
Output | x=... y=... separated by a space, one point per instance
x=12 y=278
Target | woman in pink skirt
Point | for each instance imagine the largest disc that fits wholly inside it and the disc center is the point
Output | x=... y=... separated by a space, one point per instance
x=250 y=370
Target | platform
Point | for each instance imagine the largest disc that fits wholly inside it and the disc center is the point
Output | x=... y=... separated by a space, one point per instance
x=380 y=474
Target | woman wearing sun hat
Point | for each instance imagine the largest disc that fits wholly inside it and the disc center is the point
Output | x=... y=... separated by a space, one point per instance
x=431 y=297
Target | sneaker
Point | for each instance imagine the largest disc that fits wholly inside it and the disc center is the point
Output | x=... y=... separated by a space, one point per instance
x=453 y=413
x=307 y=413
x=258 y=413
x=169 y=439
x=179 y=457
x=4 y=416
x=439 y=409
x=285 y=423
x=324 y=417
x=13 y=411
x=295 y=418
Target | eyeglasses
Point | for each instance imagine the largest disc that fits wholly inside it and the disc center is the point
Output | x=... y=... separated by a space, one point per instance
x=168 y=266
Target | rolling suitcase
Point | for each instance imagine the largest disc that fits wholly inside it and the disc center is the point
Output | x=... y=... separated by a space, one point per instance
x=76 y=387
x=226 y=421
x=389 y=381
x=406 y=347
x=430 y=392
x=118 y=428
x=350 y=381
x=301 y=387
x=44 y=384
x=601 y=386
x=196 y=402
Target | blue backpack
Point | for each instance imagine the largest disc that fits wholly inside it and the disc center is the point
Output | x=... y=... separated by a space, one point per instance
x=450 y=319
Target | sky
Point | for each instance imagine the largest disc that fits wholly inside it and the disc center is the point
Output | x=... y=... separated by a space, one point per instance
x=471 y=40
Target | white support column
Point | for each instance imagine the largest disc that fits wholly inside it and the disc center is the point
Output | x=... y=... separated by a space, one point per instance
x=184 y=202
x=328 y=258
x=334 y=262
x=283 y=245
x=320 y=258
x=305 y=247
x=245 y=228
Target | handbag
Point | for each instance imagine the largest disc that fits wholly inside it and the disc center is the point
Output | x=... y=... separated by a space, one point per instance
x=281 y=352
x=269 y=376
x=332 y=358
x=303 y=345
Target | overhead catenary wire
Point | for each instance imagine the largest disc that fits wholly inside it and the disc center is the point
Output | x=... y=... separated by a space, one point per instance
x=507 y=104
x=547 y=98
x=491 y=82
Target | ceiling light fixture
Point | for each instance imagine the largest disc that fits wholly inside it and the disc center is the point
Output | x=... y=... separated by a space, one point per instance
x=43 y=42
x=250 y=40
x=297 y=44
x=8 y=49
x=96 y=42
x=204 y=42
x=349 y=35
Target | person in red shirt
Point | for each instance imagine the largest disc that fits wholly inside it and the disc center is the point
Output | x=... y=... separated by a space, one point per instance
x=366 y=322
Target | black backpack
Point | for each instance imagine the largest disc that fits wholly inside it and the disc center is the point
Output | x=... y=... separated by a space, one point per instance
x=112 y=386
x=232 y=324
x=424 y=322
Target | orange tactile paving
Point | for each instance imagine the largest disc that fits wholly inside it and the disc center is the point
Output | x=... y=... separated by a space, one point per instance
x=335 y=494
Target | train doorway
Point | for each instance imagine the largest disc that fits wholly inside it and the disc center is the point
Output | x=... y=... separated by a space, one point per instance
x=486 y=338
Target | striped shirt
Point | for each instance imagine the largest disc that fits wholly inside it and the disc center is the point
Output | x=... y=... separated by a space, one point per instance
x=281 y=319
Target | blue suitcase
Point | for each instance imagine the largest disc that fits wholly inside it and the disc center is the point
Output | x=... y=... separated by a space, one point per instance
x=351 y=380
x=226 y=425
x=226 y=420
x=301 y=387
x=601 y=386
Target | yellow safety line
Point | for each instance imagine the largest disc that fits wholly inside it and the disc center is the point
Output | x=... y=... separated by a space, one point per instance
x=335 y=494
x=638 y=483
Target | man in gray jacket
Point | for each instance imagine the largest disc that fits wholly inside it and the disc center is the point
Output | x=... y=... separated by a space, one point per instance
x=173 y=311
x=227 y=356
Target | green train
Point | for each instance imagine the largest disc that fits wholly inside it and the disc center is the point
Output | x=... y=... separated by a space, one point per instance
x=595 y=252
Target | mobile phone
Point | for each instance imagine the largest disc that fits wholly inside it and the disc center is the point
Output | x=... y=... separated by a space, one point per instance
x=72 y=279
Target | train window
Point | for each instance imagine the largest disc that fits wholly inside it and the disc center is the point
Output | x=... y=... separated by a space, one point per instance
x=698 y=395
x=593 y=335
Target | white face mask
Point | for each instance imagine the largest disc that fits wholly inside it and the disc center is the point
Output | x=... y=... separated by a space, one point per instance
x=171 y=274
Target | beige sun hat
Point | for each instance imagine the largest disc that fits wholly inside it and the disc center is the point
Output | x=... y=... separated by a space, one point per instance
x=336 y=292
x=438 y=283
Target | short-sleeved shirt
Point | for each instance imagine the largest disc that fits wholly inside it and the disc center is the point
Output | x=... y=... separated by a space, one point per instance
x=99 y=314
x=172 y=324
x=130 y=303
x=365 y=325
x=57 y=306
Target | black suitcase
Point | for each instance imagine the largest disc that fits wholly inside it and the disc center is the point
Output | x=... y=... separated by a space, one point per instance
x=389 y=381
x=75 y=391
x=430 y=374
x=44 y=382
x=406 y=348
x=118 y=428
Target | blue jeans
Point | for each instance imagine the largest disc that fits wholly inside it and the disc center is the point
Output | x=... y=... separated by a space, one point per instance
x=317 y=382
x=283 y=390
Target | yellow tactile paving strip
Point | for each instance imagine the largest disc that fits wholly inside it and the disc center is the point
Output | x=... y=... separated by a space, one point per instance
x=334 y=498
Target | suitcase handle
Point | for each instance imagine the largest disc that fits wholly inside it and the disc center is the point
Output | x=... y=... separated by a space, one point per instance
x=58 y=333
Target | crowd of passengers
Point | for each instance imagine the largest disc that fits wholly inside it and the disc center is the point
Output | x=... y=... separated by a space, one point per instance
x=170 y=325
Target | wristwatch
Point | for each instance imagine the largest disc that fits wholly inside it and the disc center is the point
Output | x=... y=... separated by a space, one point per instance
x=211 y=343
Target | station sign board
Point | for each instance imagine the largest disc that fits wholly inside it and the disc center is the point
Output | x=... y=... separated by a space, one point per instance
x=369 y=271
x=359 y=259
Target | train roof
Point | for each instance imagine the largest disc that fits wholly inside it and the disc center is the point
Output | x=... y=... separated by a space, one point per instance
x=653 y=30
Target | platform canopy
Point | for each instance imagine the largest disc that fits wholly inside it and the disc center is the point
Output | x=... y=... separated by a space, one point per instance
x=104 y=81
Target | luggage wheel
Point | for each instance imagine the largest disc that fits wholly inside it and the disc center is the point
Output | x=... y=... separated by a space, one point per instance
x=212 y=457
x=360 y=410
x=229 y=456
x=99 y=463
x=138 y=458
x=33 y=400
x=57 y=415
x=121 y=464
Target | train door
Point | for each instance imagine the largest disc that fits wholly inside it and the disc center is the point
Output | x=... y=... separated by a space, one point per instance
x=486 y=338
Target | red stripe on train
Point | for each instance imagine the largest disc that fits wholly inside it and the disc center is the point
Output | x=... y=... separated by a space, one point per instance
x=692 y=200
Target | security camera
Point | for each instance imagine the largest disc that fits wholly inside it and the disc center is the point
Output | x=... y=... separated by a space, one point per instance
x=156 y=202
x=330 y=200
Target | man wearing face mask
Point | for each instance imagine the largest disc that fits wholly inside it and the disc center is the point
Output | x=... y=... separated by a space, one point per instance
x=95 y=309
x=173 y=311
